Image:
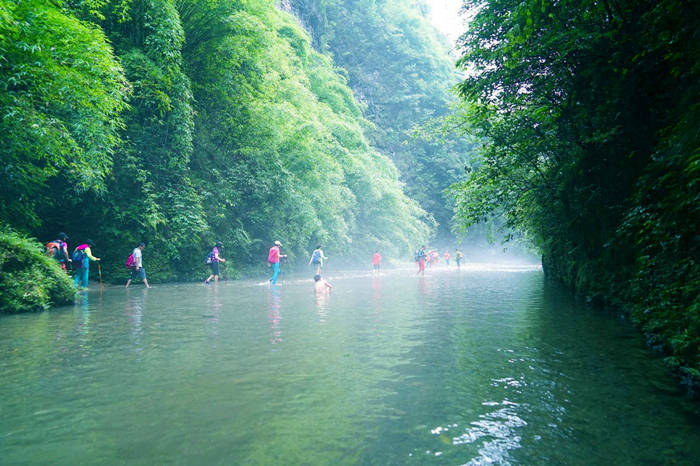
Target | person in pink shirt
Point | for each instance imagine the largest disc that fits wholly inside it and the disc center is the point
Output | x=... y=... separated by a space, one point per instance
x=376 y=261
x=447 y=257
x=273 y=260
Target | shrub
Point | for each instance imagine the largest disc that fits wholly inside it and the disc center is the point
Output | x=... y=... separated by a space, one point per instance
x=29 y=280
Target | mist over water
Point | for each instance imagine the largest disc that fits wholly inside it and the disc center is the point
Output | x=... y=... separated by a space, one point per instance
x=488 y=365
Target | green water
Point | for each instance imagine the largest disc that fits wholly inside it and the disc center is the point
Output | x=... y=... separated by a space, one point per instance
x=491 y=365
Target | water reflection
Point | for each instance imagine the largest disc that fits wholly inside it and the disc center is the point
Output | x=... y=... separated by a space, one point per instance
x=214 y=315
x=274 y=316
x=83 y=327
x=482 y=368
x=134 y=312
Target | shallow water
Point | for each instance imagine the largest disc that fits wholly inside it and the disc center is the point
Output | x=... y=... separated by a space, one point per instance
x=491 y=365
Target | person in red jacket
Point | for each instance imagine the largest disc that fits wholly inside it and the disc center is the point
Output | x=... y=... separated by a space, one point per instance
x=376 y=261
x=273 y=260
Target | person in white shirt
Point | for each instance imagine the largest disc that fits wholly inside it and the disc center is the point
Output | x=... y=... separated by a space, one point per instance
x=137 y=270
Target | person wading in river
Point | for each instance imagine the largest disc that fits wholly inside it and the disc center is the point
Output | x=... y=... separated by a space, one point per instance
x=321 y=285
x=420 y=259
x=213 y=260
x=376 y=261
x=273 y=260
x=458 y=257
x=58 y=249
x=317 y=258
x=81 y=262
x=137 y=270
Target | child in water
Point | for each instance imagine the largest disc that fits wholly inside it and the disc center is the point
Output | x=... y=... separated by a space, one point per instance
x=320 y=285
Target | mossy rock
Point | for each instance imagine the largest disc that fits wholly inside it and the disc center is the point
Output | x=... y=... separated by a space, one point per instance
x=29 y=280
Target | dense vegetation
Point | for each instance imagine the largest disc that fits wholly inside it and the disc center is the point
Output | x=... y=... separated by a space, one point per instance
x=182 y=122
x=590 y=110
x=400 y=68
x=29 y=280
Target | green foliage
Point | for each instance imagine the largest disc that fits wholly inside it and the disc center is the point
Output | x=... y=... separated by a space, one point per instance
x=233 y=128
x=289 y=156
x=29 y=280
x=61 y=94
x=400 y=70
x=589 y=115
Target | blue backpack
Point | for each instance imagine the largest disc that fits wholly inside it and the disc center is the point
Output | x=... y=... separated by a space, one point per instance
x=77 y=258
x=316 y=257
x=210 y=258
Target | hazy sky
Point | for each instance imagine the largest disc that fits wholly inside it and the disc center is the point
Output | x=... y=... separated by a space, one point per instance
x=445 y=16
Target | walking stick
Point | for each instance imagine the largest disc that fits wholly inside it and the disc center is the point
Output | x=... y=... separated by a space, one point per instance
x=99 y=273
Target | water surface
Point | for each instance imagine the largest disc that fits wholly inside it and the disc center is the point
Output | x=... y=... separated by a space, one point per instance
x=491 y=365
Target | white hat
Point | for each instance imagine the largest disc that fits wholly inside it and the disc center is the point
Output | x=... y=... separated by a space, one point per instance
x=277 y=243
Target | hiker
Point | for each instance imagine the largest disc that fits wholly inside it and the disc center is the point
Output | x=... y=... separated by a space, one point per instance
x=376 y=261
x=82 y=255
x=321 y=285
x=420 y=259
x=273 y=260
x=213 y=260
x=458 y=257
x=317 y=258
x=58 y=249
x=447 y=257
x=137 y=270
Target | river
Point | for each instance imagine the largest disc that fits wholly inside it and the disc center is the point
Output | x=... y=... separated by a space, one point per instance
x=489 y=365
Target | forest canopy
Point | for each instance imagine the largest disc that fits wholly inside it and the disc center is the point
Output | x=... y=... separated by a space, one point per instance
x=184 y=122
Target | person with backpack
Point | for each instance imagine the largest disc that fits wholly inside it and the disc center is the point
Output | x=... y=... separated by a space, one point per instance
x=458 y=258
x=82 y=255
x=273 y=260
x=135 y=263
x=58 y=249
x=213 y=260
x=317 y=258
x=419 y=257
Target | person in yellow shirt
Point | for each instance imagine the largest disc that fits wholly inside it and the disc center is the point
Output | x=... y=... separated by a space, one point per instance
x=81 y=262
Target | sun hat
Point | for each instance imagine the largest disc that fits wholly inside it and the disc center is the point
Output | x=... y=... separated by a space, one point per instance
x=277 y=243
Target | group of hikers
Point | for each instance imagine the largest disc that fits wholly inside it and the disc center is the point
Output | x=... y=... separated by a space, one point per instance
x=317 y=260
x=82 y=255
x=430 y=258
x=80 y=258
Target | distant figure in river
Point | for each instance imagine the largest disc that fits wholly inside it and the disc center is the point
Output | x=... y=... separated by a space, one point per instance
x=376 y=261
x=213 y=260
x=58 y=249
x=137 y=270
x=317 y=258
x=82 y=255
x=420 y=259
x=458 y=257
x=432 y=257
x=447 y=257
x=273 y=260
x=321 y=285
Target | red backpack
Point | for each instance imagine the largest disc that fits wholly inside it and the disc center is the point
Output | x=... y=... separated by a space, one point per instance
x=53 y=249
x=130 y=261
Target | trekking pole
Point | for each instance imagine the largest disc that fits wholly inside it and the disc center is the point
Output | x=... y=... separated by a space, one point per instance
x=99 y=273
